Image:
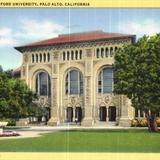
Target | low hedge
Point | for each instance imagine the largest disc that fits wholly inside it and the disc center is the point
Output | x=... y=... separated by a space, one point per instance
x=11 y=121
x=142 y=122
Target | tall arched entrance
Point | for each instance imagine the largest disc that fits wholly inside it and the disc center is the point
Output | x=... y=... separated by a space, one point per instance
x=102 y=113
x=112 y=113
x=78 y=114
x=69 y=114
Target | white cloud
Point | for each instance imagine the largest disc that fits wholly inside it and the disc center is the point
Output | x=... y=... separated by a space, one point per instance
x=35 y=30
x=29 y=30
x=6 y=37
x=147 y=27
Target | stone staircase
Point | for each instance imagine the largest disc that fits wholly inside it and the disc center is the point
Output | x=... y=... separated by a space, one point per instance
x=37 y=124
x=97 y=124
x=106 y=124
x=69 y=124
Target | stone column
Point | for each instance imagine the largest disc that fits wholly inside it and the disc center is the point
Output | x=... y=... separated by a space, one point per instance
x=107 y=118
x=55 y=110
x=117 y=113
x=54 y=120
x=124 y=119
x=88 y=101
x=74 y=110
x=87 y=121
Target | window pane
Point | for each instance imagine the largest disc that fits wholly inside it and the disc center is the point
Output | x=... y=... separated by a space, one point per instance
x=44 y=57
x=37 y=85
x=64 y=56
x=107 y=80
x=102 y=52
x=100 y=82
x=32 y=58
x=106 y=52
x=111 y=51
x=76 y=54
x=74 y=75
x=73 y=82
x=72 y=55
x=49 y=86
x=97 y=52
x=48 y=57
x=43 y=84
x=66 y=84
x=80 y=54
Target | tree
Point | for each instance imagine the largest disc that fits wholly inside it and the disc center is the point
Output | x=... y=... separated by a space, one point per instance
x=1 y=69
x=137 y=75
x=15 y=97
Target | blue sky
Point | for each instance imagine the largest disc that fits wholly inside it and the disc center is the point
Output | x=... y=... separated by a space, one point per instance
x=23 y=26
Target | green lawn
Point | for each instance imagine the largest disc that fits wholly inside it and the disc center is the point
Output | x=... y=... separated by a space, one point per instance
x=88 y=140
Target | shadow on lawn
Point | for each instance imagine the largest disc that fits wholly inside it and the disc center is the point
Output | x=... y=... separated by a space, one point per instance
x=111 y=130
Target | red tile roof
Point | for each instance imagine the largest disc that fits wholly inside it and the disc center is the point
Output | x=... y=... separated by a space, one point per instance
x=76 y=37
x=17 y=72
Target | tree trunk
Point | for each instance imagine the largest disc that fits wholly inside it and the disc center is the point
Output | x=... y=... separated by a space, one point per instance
x=151 y=119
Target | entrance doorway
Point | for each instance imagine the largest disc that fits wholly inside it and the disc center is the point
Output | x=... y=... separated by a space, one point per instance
x=102 y=113
x=78 y=114
x=112 y=113
x=69 y=114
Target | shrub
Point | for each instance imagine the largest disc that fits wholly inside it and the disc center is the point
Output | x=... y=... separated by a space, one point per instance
x=158 y=122
x=139 y=123
x=143 y=123
x=134 y=123
x=11 y=121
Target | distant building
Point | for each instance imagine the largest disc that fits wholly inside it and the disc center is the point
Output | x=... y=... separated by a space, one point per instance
x=17 y=72
x=73 y=76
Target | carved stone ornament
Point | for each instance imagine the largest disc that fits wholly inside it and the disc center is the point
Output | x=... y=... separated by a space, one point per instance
x=107 y=99
x=73 y=100
x=89 y=53
x=54 y=68
x=25 y=58
x=43 y=102
x=55 y=55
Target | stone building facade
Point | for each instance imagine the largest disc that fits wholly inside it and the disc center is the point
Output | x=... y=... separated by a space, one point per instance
x=73 y=77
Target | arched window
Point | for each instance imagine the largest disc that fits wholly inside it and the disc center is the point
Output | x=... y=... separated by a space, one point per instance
x=67 y=55
x=106 y=53
x=74 y=83
x=64 y=56
x=105 y=81
x=115 y=49
x=66 y=84
x=111 y=52
x=40 y=58
x=81 y=83
x=80 y=54
x=102 y=52
x=100 y=83
x=36 y=57
x=48 y=57
x=44 y=57
x=76 y=55
x=43 y=85
x=97 y=53
x=32 y=58
x=72 y=55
